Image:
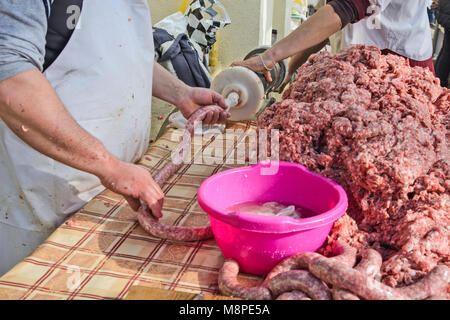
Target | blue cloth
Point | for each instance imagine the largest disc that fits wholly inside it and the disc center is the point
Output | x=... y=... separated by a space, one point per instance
x=183 y=57
x=432 y=15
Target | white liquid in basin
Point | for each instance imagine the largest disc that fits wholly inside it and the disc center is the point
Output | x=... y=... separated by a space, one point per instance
x=271 y=209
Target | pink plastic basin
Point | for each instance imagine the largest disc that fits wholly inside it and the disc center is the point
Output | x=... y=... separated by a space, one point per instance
x=259 y=242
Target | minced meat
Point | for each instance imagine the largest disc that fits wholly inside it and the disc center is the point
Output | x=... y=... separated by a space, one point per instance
x=379 y=128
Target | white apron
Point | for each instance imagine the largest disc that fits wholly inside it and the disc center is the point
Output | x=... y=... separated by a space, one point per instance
x=404 y=29
x=104 y=78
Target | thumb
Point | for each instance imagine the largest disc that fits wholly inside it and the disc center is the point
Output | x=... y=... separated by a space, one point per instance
x=219 y=99
x=134 y=203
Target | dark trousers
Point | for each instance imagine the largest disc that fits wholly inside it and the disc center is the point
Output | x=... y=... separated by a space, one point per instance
x=443 y=60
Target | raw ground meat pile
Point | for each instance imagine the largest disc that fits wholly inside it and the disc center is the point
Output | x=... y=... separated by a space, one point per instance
x=380 y=129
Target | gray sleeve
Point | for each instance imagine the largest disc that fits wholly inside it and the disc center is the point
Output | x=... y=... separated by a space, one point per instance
x=23 y=27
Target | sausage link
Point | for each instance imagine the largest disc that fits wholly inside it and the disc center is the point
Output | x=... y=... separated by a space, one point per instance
x=342 y=294
x=341 y=250
x=229 y=285
x=165 y=173
x=293 y=295
x=296 y=261
x=146 y=219
x=299 y=280
x=341 y=275
x=157 y=229
x=344 y=253
x=437 y=298
x=369 y=265
x=433 y=284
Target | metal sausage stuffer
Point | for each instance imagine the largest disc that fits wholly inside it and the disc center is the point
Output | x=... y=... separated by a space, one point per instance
x=244 y=90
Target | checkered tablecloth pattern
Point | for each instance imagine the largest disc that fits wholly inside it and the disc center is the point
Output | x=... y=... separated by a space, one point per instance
x=101 y=251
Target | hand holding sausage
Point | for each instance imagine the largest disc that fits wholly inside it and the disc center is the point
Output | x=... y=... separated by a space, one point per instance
x=197 y=98
x=135 y=184
x=146 y=220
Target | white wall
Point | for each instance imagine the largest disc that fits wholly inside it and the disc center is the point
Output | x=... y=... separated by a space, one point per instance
x=281 y=17
x=248 y=30
x=162 y=8
x=266 y=21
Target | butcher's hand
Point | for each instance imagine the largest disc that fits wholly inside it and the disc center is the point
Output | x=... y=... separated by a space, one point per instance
x=135 y=184
x=201 y=97
x=187 y=99
x=256 y=64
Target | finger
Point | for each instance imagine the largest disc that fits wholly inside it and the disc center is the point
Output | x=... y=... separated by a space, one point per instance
x=215 y=117
x=208 y=118
x=223 y=117
x=159 y=195
x=156 y=189
x=220 y=100
x=156 y=209
x=155 y=206
x=153 y=193
x=134 y=203
x=268 y=76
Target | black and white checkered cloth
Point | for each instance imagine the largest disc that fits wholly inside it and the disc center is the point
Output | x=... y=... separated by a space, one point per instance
x=204 y=21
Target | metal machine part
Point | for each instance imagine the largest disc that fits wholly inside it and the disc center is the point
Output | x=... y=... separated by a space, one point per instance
x=246 y=93
x=243 y=91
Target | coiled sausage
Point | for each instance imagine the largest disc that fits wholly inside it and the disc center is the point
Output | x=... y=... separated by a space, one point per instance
x=146 y=219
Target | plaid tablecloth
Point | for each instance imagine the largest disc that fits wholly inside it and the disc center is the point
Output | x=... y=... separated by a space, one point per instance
x=101 y=251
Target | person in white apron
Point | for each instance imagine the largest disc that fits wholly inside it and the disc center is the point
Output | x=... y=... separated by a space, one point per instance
x=395 y=26
x=67 y=134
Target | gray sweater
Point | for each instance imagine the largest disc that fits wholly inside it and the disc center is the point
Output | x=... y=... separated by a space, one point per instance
x=34 y=32
x=23 y=27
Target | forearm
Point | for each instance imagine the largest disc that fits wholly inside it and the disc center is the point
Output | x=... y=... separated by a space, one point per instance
x=301 y=57
x=312 y=32
x=187 y=99
x=31 y=109
x=167 y=87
